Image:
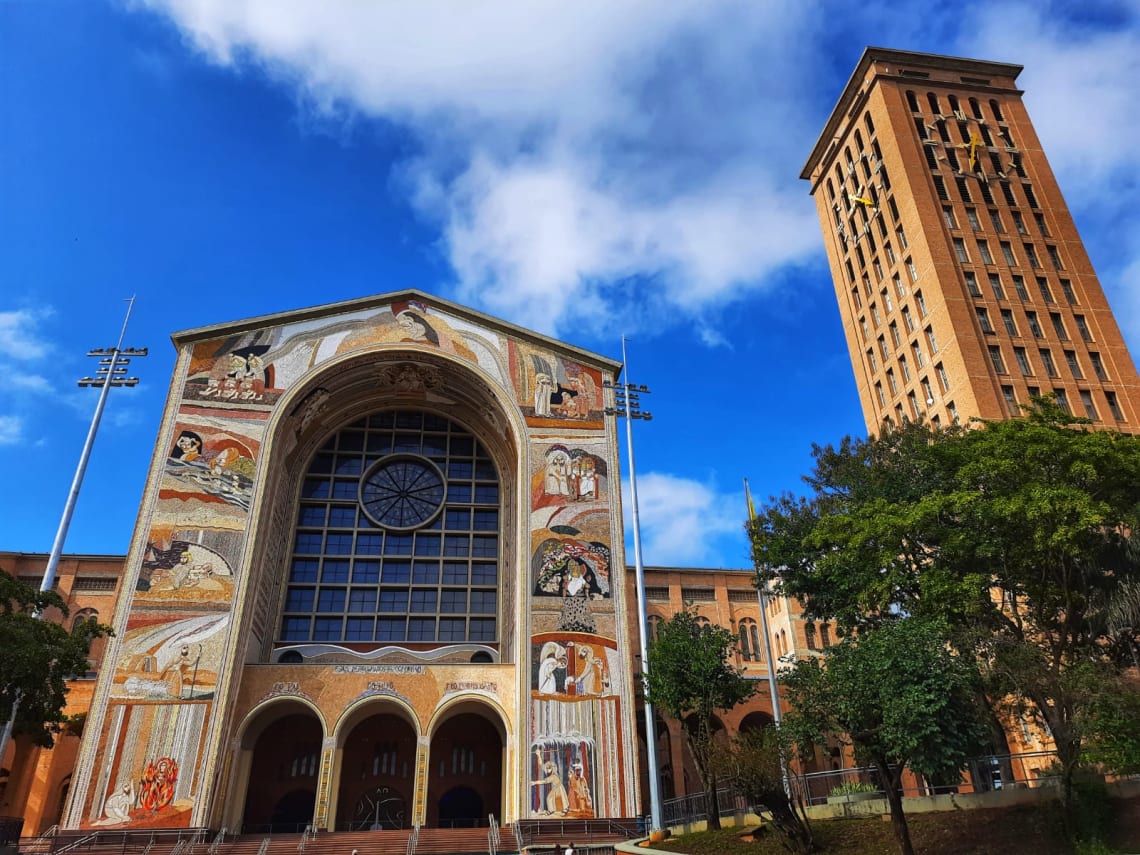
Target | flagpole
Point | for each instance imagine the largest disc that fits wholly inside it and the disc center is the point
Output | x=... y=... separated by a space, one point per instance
x=762 y=598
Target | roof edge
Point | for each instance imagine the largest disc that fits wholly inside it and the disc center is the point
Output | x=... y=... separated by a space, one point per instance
x=903 y=57
x=229 y=328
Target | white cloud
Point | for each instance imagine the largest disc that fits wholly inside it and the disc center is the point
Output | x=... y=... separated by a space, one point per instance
x=684 y=522
x=586 y=161
x=11 y=430
x=577 y=158
x=30 y=392
x=1080 y=86
x=21 y=381
x=19 y=334
x=21 y=387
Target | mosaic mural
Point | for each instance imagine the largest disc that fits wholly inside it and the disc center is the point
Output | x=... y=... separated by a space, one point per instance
x=573 y=722
x=553 y=390
x=175 y=642
x=147 y=770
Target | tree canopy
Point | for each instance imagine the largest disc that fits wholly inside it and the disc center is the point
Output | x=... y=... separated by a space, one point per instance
x=899 y=696
x=690 y=678
x=39 y=657
x=1017 y=534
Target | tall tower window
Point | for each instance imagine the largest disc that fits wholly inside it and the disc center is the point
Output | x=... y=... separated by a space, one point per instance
x=1008 y=321
x=1023 y=362
x=1113 y=405
x=1090 y=407
x=397 y=537
x=1098 y=365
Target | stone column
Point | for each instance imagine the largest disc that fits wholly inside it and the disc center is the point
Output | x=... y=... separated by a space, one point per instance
x=326 y=804
x=419 y=802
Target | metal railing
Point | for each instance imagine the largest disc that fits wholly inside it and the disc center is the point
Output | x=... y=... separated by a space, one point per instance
x=493 y=840
x=10 y=828
x=272 y=828
x=980 y=774
x=413 y=839
x=692 y=808
x=528 y=831
x=264 y=847
x=139 y=840
x=85 y=840
x=218 y=841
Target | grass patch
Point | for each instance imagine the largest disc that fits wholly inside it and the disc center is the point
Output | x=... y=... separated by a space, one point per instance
x=1029 y=829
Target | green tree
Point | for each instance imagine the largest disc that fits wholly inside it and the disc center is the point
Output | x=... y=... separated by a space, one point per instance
x=899 y=696
x=690 y=678
x=1016 y=533
x=39 y=657
x=755 y=762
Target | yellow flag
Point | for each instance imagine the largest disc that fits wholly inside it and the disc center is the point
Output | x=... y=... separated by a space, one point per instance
x=751 y=507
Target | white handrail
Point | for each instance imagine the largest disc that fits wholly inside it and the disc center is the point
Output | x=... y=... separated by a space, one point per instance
x=493 y=841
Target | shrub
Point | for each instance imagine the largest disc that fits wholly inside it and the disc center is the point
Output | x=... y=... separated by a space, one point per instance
x=850 y=788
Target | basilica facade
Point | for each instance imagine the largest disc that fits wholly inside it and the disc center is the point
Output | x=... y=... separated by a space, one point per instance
x=377 y=581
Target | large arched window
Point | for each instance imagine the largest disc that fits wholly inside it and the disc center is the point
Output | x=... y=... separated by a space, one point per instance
x=82 y=616
x=397 y=537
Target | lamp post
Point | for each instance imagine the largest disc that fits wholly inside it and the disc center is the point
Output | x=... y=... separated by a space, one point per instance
x=627 y=404
x=111 y=372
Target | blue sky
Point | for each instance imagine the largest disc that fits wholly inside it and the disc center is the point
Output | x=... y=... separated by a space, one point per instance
x=588 y=169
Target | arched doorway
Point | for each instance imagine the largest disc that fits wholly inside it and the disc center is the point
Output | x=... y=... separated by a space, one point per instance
x=465 y=771
x=377 y=775
x=459 y=806
x=291 y=807
x=755 y=721
x=283 y=774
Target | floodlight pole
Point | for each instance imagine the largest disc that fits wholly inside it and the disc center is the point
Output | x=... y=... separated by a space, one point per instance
x=626 y=402
x=111 y=372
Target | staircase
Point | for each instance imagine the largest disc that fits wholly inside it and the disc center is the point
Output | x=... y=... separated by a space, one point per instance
x=430 y=841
